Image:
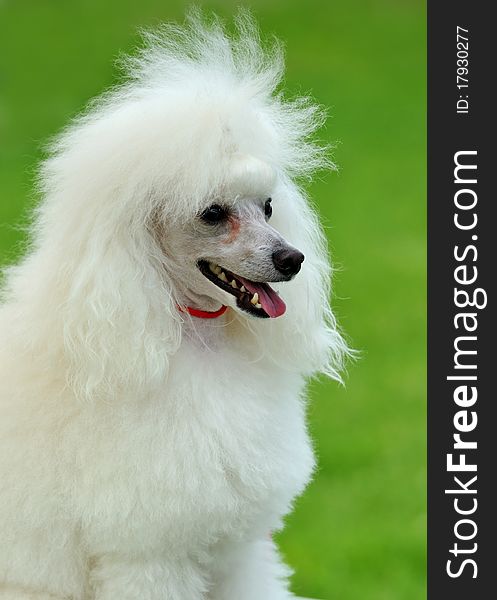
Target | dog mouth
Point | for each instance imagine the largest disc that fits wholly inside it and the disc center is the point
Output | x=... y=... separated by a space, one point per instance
x=254 y=297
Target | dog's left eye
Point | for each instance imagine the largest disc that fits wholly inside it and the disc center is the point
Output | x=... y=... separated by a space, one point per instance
x=214 y=214
x=268 y=209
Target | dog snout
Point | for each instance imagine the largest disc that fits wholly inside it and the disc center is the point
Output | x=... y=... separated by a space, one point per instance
x=288 y=261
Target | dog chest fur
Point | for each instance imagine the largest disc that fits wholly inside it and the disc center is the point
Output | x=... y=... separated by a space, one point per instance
x=212 y=457
x=204 y=459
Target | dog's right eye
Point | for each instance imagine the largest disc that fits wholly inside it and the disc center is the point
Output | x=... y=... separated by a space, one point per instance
x=214 y=214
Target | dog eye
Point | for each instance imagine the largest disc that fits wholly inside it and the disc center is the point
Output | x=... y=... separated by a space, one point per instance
x=268 y=209
x=214 y=214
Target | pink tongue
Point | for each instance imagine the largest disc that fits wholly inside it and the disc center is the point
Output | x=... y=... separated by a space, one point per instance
x=269 y=299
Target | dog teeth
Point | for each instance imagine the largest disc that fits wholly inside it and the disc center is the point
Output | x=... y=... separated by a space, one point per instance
x=258 y=305
x=233 y=284
x=242 y=289
x=216 y=269
x=255 y=299
x=222 y=277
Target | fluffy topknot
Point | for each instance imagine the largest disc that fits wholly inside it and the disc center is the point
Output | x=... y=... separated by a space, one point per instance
x=200 y=57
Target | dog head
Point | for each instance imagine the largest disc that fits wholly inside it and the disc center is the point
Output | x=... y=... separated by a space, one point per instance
x=178 y=189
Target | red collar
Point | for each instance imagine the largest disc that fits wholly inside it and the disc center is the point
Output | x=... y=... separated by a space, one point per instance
x=203 y=314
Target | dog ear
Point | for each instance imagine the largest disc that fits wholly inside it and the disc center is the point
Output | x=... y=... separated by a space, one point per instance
x=120 y=321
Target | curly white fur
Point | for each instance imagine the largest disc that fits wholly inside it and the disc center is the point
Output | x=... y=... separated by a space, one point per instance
x=146 y=454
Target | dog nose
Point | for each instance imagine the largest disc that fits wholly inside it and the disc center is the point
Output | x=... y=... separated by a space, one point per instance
x=288 y=261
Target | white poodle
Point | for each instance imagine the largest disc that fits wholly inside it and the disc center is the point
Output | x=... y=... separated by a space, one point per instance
x=152 y=381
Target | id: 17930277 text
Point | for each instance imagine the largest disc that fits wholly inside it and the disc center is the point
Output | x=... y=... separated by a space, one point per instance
x=462 y=76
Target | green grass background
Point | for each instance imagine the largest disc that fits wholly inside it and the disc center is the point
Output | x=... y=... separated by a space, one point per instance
x=358 y=533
